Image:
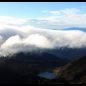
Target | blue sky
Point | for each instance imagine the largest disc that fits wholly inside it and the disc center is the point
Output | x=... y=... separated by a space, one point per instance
x=46 y=15
x=34 y=9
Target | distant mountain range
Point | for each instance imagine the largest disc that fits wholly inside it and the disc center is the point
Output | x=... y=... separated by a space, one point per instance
x=76 y=28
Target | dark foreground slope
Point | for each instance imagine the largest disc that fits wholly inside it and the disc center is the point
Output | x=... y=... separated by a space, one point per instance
x=23 y=68
x=75 y=72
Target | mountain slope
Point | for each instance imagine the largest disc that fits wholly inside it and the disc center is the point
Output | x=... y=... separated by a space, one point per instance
x=43 y=58
x=75 y=72
x=69 y=53
x=23 y=68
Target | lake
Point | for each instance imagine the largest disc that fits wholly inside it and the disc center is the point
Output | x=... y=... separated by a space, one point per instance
x=47 y=75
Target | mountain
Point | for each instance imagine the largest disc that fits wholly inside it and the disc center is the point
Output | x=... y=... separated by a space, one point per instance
x=23 y=68
x=76 y=28
x=42 y=58
x=74 y=72
x=69 y=53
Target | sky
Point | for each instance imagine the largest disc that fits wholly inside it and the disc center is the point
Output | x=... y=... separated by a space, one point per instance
x=36 y=9
x=46 y=15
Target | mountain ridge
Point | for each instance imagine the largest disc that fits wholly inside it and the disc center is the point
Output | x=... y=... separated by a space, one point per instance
x=75 y=71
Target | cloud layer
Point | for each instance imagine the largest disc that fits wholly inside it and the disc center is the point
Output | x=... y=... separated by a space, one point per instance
x=18 y=36
x=65 y=18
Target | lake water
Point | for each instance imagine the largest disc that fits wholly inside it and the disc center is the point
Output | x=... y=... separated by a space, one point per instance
x=47 y=75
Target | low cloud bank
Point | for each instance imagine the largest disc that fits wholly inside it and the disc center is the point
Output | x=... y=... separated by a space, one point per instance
x=25 y=38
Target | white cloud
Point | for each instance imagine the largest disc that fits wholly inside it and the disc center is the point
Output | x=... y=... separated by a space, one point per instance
x=11 y=41
x=55 y=12
x=26 y=37
x=66 y=18
x=69 y=17
x=11 y=20
x=70 y=11
x=67 y=21
x=66 y=11
x=38 y=40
